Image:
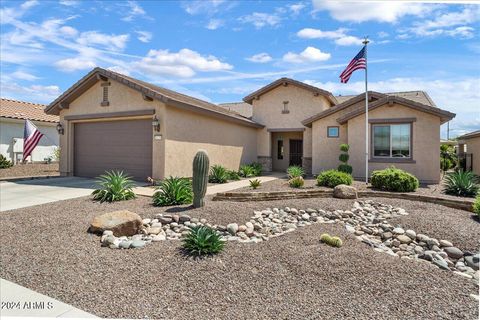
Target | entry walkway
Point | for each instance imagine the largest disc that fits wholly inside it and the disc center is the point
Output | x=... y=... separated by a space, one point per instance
x=216 y=188
x=18 y=301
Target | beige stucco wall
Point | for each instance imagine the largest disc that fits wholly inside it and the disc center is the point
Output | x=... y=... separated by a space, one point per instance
x=425 y=143
x=267 y=110
x=227 y=143
x=473 y=147
x=325 y=151
x=121 y=98
x=282 y=164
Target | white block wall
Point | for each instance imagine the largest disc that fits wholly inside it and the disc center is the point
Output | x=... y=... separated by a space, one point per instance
x=13 y=128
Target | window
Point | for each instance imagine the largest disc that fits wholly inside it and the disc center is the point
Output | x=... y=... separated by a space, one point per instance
x=280 y=149
x=333 y=132
x=392 y=141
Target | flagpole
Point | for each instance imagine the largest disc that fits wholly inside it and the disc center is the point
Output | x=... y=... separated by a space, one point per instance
x=365 y=42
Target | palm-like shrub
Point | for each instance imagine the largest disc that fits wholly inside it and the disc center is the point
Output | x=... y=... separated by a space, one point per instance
x=114 y=186
x=173 y=191
x=295 y=171
x=202 y=240
x=254 y=184
x=476 y=205
x=257 y=168
x=296 y=182
x=4 y=163
x=461 y=183
x=332 y=178
x=233 y=175
x=218 y=174
x=393 y=179
x=246 y=171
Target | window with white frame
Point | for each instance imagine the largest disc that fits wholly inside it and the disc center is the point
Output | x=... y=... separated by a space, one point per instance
x=392 y=140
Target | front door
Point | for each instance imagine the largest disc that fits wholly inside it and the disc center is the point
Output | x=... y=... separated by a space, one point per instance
x=296 y=152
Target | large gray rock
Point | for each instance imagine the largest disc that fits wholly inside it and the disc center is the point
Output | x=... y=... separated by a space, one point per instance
x=121 y=223
x=472 y=261
x=453 y=252
x=343 y=191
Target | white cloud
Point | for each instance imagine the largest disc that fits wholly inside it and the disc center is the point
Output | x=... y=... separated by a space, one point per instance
x=382 y=34
x=260 y=58
x=74 y=64
x=109 y=41
x=208 y=7
x=310 y=54
x=134 y=10
x=214 y=24
x=22 y=75
x=34 y=93
x=69 y=3
x=453 y=24
x=183 y=63
x=296 y=7
x=260 y=20
x=357 y=11
x=340 y=36
x=7 y=15
x=144 y=36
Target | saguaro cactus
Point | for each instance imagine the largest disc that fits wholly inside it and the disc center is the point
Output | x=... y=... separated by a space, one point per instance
x=201 y=164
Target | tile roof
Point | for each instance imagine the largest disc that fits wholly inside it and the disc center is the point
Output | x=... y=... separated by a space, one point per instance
x=15 y=109
x=469 y=135
x=416 y=96
x=242 y=108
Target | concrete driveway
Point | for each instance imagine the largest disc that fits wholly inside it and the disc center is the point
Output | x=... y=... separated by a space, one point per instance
x=21 y=194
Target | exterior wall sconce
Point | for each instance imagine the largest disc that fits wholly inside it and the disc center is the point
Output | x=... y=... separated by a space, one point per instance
x=60 y=129
x=156 y=124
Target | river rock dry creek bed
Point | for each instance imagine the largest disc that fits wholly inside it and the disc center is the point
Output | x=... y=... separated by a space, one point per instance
x=289 y=274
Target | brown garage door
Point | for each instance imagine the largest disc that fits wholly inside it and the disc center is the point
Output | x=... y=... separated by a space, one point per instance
x=113 y=145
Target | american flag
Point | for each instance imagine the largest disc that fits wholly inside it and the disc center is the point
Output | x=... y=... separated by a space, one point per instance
x=31 y=137
x=359 y=62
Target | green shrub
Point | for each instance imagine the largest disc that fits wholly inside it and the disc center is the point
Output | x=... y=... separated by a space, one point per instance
x=114 y=186
x=202 y=240
x=257 y=168
x=445 y=164
x=393 y=179
x=461 y=183
x=4 y=163
x=218 y=174
x=343 y=157
x=254 y=184
x=476 y=205
x=331 y=241
x=448 y=157
x=233 y=175
x=295 y=171
x=332 y=178
x=246 y=171
x=173 y=191
x=56 y=153
x=296 y=182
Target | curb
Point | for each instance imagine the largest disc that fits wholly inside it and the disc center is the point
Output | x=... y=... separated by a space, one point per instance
x=13 y=179
x=466 y=204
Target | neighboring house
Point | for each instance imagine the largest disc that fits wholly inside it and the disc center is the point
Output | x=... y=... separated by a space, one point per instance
x=469 y=149
x=13 y=114
x=112 y=121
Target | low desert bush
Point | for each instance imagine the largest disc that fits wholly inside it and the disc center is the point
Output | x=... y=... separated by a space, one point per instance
x=393 y=179
x=295 y=171
x=476 y=205
x=254 y=184
x=202 y=240
x=331 y=241
x=461 y=183
x=114 y=186
x=257 y=168
x=296 y=182
x=332 y=178
x=218 y=174
x=173 y=191
x=233 y=175
x=4 y=163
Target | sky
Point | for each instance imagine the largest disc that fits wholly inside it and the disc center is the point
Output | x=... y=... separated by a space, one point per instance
x=221 y=51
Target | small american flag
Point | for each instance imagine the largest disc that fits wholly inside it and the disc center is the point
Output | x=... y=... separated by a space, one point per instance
x=359 y=62
x=31 y=137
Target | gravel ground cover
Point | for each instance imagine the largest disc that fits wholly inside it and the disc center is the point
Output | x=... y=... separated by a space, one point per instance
x=289 y=277
x=310 y=183
x=30 y=170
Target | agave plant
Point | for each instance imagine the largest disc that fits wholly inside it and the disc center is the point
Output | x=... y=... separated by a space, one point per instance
x=218 y=174
x=295 y=171
x=173 y=191
x=202 y=240
x=114 y=186
x=246 y=171
x=461 y=183
x=254 y=184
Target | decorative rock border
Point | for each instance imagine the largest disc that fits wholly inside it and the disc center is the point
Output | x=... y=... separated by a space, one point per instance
x=462 y=204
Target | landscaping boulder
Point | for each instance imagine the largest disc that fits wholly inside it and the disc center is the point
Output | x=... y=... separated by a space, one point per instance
x=121 y=223
x=343 y=191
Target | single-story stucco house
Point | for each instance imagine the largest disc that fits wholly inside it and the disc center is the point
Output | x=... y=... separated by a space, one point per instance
x=112 y=121
x=469 y=149
x=13 y=114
